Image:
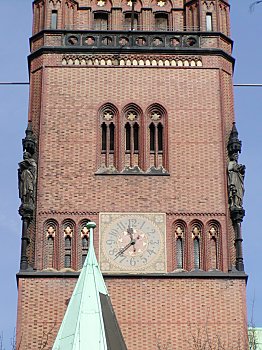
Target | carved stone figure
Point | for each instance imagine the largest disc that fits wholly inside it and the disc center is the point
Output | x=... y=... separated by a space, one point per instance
x=27 y=180
x=236 y=174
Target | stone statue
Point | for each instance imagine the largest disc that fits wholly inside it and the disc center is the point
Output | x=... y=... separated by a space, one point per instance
x=27 y=180
x=236 y=174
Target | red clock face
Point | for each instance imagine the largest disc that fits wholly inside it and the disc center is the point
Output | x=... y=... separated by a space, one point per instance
x=133 y=242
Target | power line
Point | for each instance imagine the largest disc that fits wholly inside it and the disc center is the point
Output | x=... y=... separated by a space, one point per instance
x=248 y=85
x=14 y=83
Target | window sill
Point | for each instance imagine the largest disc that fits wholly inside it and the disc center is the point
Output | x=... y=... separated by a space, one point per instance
x=133 y=171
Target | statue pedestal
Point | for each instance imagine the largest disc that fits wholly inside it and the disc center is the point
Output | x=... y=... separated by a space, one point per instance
x=237 y=215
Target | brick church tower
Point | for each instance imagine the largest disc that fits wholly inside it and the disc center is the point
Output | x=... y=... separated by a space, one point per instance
x=130 y=126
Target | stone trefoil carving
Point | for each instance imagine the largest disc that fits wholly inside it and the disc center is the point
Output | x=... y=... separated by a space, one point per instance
x=236 y=174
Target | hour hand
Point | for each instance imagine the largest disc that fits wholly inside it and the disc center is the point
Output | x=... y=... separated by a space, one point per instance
x=130 y=231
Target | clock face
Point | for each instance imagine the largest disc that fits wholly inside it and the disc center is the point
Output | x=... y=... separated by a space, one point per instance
x=133 y=243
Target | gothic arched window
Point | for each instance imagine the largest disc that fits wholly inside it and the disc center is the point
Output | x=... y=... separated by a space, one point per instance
x=132 y=136
x=196 y=236
x=84 y=241
x=157 y=144
x=108 y=119
x=51 y=228
x=68 y=232
x=214 y=233
x=180 y=229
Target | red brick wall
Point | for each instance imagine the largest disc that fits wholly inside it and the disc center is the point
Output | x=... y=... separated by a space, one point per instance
x=72 y=16
x=64 y=105
x=198 y=122
x=150 y=311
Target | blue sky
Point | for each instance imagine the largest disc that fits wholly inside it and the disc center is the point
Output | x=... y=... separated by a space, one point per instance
x=15 y=25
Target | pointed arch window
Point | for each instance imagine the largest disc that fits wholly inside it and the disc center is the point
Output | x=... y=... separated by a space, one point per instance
x=85 y=243
x=128 y=137
x=112 y=137
x=132 y=119
x=156 y=144
x=214 y=232
x=180 y=232
x=152 y=137
x=136 y=138
x=196 y=234
x=50 y=233
x=108 y=116
x=68 y=230
x=104 y=137
x=160 y=137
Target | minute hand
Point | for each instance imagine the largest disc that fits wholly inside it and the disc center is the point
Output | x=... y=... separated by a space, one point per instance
x=125 y=248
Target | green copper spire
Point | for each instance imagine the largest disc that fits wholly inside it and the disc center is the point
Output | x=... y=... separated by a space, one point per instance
x=89 y=322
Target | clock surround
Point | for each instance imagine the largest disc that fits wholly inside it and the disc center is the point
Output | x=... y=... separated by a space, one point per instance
x=133 y=243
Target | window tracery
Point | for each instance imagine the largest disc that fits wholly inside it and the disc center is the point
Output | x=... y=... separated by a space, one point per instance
x=50 y=230
x=197 y=237
x=108 y=115
x=180 y=232
x=68 y=233
x=214 y=233
x=132 y=115
x=157 y=145
x=84 y=235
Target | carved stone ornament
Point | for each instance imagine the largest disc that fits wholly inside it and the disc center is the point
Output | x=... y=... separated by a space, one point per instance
x=101 y=3
x=84 y=232
x=27 y=181
x=213 y=232
x=108 y=116
x=161 y=3
x=196 y=232
x=235 y=171
x=131 y=116
x=68 y=232
x=50 y=232
x=29 y=142
x=179 y=232
x=155 y=116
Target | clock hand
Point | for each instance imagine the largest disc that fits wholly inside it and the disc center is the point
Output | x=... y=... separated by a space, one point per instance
x=130 y=231
x=121 y=251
